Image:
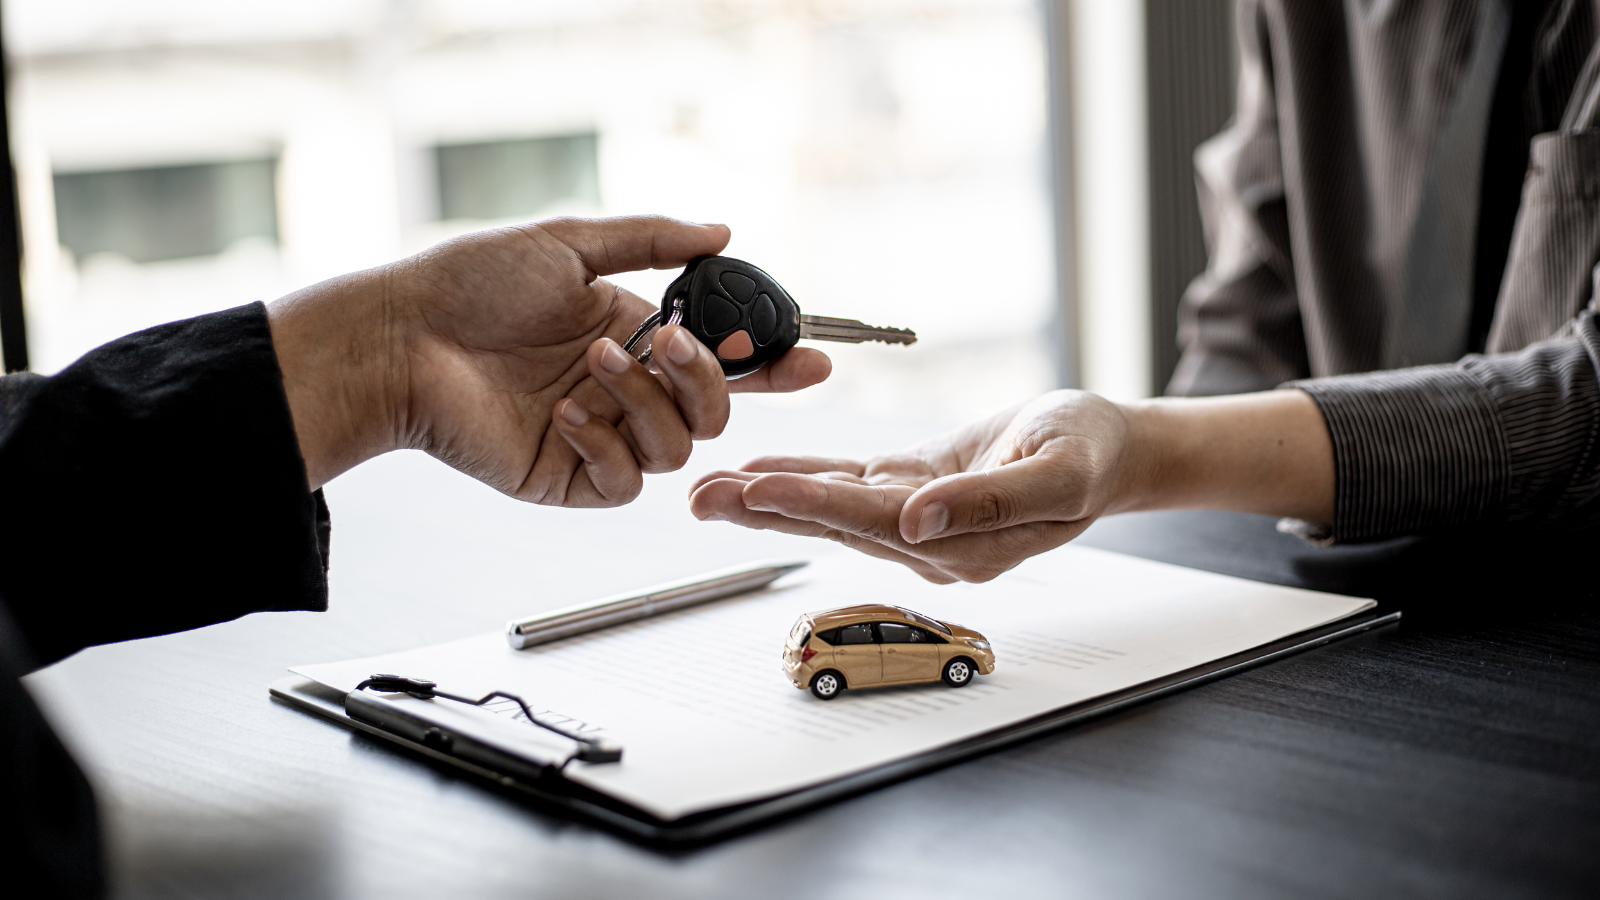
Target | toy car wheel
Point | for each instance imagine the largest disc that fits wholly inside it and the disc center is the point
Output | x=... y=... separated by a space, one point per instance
x=827 y=685
x=957 y=672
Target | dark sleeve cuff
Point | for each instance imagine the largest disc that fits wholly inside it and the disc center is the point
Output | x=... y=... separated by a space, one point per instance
x=156 y=485
x=1504 y=439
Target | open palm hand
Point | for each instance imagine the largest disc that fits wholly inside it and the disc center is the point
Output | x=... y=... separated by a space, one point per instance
x=965 y=506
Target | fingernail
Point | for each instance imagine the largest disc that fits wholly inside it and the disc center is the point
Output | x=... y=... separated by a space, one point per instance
x=935 y=518
x=760 y=507
x=573 y=413
x=680 y=349
x=613 y=360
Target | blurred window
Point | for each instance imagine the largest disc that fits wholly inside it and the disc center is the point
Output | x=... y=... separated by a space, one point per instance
x=505 y=179
x=884 y=161
x=170 y=212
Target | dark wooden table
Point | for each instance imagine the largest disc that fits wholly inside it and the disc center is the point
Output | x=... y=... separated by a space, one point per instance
x=1457 y=755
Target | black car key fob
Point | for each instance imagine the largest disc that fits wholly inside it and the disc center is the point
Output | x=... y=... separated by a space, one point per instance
x=739 y=311
x=746 y=318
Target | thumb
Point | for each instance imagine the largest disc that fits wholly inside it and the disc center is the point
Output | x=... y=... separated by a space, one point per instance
x=1032 y=489
x=632 y=243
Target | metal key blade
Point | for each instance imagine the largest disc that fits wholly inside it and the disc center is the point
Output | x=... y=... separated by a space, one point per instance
x=851 y=331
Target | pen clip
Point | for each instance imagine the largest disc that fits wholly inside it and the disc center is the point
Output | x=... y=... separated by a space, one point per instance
x=399 y=684
x=590 y=750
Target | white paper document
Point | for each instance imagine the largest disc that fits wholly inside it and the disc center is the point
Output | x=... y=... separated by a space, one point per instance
x=707 y=718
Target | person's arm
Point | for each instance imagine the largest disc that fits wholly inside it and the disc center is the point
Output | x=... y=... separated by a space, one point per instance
x=974 y=503
x=168 y=479
x=1266 y=453
x=155 y=485
x=499 y=353
x=1505 y=440
x=1509 y=439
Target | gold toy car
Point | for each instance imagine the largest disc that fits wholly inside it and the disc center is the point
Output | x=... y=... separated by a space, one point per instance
x=876 y=645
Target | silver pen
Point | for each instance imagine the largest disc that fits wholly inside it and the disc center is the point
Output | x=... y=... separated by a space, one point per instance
x=596 y=614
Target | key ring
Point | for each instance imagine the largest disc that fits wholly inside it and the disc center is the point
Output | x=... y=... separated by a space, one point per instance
x=650 y=322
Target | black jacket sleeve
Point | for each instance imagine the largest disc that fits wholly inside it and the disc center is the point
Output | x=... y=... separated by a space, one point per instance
x=154 y=485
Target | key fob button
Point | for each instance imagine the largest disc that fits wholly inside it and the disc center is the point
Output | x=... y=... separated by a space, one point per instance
x=740 y=287
x=736 y=346
x=763 y=320
x=718 y=315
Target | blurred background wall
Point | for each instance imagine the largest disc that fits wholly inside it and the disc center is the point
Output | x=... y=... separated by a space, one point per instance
x=1008 y=177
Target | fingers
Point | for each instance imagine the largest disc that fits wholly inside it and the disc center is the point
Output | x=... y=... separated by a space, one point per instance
x=796 y=370
x=745 y=476
x=722 y=500
x=805 y=465
x=719 y=475
x=660 y=438
x=630 y=243
x=727 y=496
x=987 y=556
x=699 y=387
x=872 y=512
x=657 y=426
x=867 y=518
x=969 y=506
x=1028 y=490
x=609 y=462
x=858 y=516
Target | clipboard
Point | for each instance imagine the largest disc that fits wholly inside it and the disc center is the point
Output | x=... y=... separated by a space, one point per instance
x=543 y=786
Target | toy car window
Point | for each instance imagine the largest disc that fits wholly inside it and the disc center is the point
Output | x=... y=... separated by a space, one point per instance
x=856 y=634
x=800 y=633
x=831 y=636
x=924 y=621
x=900 y=634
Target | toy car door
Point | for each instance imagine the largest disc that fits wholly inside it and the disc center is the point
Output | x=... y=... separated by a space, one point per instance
x=857 y=655
x=909 y=654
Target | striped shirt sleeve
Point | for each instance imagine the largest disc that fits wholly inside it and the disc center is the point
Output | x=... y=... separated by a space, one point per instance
x=1507 y=439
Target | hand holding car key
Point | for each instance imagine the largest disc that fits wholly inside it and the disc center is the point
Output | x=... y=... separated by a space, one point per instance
x=747 y=318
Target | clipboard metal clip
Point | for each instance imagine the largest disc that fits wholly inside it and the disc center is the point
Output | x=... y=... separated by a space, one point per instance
x=590 y=750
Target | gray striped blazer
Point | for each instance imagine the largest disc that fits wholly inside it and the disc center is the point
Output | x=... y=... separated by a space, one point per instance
x=1342 y=210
